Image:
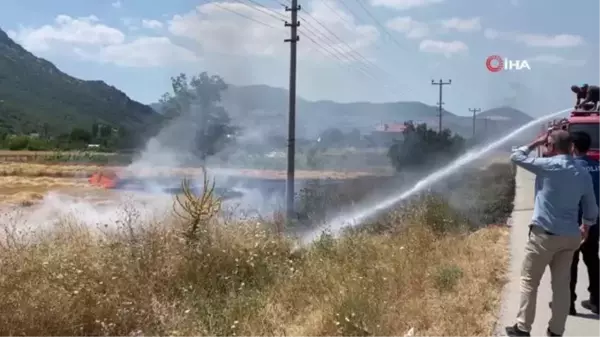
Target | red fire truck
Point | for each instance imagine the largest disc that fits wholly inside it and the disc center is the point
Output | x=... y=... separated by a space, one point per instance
x=579 y=120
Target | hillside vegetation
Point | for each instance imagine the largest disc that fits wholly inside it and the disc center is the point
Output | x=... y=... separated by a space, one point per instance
x=35 y=96
x=423 y=268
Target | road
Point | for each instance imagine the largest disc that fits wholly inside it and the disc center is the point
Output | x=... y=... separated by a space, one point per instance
x=586 y=324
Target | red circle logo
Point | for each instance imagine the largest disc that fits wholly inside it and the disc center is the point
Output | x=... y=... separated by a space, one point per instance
x=494 y=63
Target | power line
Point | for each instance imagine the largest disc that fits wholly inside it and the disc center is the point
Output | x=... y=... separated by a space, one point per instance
x=336 y=13
x=377 y=22
x=265 y=10
x=344 y=56
x=326 y=52
x=243 y=15
x=323 y=49
x=335 y=49
x=357 y=56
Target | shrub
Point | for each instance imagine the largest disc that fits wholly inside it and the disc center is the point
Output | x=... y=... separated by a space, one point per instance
x=421 y=146
x=446 y=277
x=18 y=143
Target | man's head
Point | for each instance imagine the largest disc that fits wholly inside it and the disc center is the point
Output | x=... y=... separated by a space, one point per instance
x=581 y=142
x=559 y=142
x=576 y=89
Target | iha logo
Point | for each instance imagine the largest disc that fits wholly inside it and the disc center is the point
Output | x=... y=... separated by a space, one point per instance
x=497 y=63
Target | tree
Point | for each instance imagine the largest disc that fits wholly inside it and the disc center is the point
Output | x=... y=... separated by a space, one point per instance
x=79 y=135
x=95 y=127
x=196 y=101
x=421 y=146
x=105 y=131
x=331 y=137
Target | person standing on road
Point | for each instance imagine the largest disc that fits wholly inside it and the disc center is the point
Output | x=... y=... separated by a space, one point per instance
x=589 y=247
x=561 y=184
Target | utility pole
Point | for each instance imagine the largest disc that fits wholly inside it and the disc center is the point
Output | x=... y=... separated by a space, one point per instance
x=485 y=125
x=474 y=111
x=441 y=84
x=291 y=155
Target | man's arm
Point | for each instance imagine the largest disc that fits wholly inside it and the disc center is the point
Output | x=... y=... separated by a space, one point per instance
x=588 y=202
x=588 y=98
x=532 y=164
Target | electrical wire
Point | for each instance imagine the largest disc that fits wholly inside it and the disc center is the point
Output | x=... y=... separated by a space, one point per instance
x=336 y=45
x=360 y=3
x=332 y=47
x=263 y=9
x=357 y=56
x=327 y=51
x=242 y=15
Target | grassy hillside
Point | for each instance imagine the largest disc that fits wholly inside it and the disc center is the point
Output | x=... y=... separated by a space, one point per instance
x=35 y=96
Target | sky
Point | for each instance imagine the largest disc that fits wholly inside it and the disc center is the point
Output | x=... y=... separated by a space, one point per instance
x=349 y=50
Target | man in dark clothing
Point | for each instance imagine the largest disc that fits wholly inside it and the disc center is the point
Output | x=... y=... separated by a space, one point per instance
x=590 y=94
x=589 y=247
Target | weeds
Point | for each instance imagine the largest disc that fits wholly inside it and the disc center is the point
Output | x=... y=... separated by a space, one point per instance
x=447 y=277
x=425 y=273
x=197 y=210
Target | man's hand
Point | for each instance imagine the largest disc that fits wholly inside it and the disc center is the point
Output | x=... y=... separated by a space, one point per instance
x=539 y=141
x=584 y=230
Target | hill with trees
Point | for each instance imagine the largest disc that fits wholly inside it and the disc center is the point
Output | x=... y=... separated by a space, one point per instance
x=36 y=97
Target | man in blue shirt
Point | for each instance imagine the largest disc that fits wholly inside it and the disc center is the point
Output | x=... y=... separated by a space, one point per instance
x=561 y=185
x=589 y=248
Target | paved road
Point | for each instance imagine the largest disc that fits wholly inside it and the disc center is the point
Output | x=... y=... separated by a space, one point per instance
x=586 y=324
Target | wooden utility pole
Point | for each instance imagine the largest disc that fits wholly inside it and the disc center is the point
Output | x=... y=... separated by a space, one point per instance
x=291 y=155
x=474 y=111
x=485 y=125
x=441 y=84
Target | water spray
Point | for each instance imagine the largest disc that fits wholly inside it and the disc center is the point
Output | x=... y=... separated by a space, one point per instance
x=357 y=217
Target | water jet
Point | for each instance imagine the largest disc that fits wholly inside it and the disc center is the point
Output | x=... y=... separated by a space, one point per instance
x=356 y=218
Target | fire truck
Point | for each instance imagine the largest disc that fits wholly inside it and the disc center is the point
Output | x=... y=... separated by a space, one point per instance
x=578 y=121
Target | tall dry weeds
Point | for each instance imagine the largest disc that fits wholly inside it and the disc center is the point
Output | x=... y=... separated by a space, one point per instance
x=244 y=279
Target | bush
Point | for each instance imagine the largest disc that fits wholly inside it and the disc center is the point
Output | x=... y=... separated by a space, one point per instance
x=18 y=143
x=421 y=146
x=447 y=277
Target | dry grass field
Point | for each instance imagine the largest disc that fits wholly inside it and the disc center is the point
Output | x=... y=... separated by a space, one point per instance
x=81 y=170
x=248 y=281
x=416 y=270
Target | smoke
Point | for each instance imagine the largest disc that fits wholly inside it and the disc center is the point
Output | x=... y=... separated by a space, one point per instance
x=88 y=211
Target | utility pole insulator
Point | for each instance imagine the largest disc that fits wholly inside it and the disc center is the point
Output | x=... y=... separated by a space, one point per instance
x=440 y=83
x=291 y=155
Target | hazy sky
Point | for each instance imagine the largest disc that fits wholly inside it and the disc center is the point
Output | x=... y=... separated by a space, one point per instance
x=136 y=45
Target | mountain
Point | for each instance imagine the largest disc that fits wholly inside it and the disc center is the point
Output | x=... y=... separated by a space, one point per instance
x=263 y=106
x=35 y=94
x=260 y=107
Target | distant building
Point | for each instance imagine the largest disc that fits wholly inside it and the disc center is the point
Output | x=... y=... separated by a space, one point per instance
x=385 y=134
x=93 y=146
